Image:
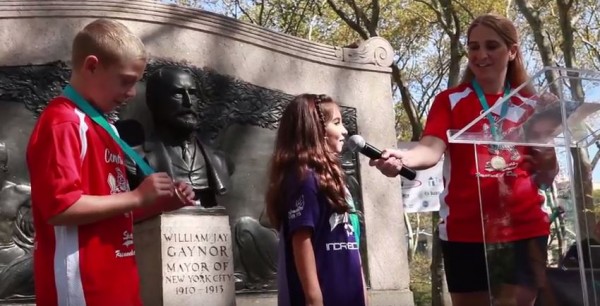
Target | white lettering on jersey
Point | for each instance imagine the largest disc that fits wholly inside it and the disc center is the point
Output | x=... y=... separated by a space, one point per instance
x=112 y=158
x=340 y=246
x=127 y=238
x=127 y=242
x=298 y=208
x=121 y=254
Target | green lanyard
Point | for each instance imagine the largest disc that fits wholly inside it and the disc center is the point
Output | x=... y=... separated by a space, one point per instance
x=486 y=107
x=353 y=216
x=70 y=93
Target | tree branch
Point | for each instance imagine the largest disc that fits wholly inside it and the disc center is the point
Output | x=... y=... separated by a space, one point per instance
x=375 y=12
x=361 y=15
x=299 y=18
x=438 y=14
x=261 y=12
x=595 y=160
x=591 y=47
x=237 y=3
x=545 y=50
x=507 y=10
x=405 y=95
x=451 y=18
x=466 y=9
x=352 y=24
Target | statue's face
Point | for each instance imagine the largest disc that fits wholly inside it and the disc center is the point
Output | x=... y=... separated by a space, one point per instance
x=175 y=103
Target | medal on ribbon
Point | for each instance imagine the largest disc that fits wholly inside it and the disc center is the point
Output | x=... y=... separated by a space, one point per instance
x=497 y=162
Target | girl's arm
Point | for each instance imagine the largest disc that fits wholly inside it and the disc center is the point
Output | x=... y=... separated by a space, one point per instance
x=304 y=258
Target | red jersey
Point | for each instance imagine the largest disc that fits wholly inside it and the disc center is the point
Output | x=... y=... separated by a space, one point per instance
x=94 y=264
x=510 y=202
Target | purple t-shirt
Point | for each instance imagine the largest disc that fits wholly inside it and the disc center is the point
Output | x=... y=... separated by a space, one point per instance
x=336 y=249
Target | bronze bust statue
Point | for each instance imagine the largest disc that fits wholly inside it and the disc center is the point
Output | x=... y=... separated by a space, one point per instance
x=174 y=146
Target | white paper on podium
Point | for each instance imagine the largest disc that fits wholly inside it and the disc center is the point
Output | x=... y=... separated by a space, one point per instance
x=423 y=193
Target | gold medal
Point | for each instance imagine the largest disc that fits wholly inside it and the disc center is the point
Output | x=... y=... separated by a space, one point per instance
x=498 y=163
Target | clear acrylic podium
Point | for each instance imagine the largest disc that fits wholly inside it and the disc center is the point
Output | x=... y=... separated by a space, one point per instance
x=557 y=111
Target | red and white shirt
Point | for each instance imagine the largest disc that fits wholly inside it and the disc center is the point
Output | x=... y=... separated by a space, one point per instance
x=509 y=201
x=94 y=264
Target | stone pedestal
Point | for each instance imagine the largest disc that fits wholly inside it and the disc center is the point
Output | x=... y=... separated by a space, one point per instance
x=185 y=258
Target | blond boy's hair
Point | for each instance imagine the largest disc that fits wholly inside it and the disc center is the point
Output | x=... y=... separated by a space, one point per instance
x=109 y=40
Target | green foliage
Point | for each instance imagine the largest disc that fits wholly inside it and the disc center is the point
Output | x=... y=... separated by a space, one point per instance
x=403 y=128
x=420 y=280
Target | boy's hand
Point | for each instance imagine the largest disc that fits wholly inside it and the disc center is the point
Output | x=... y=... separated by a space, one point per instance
x=187 y=191
x=155 y=186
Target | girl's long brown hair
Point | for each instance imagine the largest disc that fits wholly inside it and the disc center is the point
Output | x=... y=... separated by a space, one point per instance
x=300 y=145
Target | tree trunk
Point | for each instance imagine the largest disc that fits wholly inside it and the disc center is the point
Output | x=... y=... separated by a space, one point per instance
x=583 y=188
x=409 y=107
x=544 y=48
x=581 y=163
x=454 y=31
x=439 y=288
x=450 y=22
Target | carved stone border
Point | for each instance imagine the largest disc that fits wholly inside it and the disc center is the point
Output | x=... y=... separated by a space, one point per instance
x=375 y=54
x=375 y=50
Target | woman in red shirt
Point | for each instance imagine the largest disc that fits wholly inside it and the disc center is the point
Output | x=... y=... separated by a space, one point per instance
x=493 y=229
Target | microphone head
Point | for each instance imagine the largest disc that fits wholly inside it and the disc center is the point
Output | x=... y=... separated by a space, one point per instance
x=356 y=143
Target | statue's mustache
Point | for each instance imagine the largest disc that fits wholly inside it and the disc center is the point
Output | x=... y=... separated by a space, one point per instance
x=186 y=112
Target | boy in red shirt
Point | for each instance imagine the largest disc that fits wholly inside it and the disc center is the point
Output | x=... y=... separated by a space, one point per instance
x=81 y=201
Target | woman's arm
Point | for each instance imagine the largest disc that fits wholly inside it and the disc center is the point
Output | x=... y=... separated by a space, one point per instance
x=426 y=154
x=304 y=258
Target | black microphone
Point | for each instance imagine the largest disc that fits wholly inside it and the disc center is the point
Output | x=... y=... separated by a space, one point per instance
x=358 y=144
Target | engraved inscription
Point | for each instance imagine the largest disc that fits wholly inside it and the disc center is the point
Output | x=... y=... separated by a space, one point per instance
x=197 y=263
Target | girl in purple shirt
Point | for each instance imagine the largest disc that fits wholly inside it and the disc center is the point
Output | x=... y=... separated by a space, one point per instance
x=307 y=200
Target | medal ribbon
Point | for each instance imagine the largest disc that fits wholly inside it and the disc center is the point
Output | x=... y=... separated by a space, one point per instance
x=70 y=93
x=354 y=221
x=504 y=110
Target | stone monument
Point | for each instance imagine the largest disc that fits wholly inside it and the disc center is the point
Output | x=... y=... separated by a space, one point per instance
x=244 y=77
x=185 y=258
